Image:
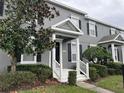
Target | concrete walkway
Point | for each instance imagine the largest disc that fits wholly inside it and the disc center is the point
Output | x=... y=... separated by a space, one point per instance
x=93 y=87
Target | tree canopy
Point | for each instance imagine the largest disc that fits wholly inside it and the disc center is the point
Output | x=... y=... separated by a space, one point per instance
x=98 y=53
x=22 y=30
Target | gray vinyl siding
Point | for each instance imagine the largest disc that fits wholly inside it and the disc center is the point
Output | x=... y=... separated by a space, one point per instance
x=85 y=40
x=64 y=14
x=102 y=30
x=4 y=61
x=45 y=58
x=66 y=63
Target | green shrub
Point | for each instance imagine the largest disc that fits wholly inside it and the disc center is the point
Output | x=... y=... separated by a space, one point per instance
x=93 y=74
x=43 y=72
x=111 y=71
x=116 y=66
x=101 y=69
x=72 y=78
x=10 y=81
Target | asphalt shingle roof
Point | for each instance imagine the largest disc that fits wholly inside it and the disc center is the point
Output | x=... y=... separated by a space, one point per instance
x=109 y=37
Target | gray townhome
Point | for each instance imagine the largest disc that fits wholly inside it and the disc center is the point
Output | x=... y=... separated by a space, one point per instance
x=75 y=31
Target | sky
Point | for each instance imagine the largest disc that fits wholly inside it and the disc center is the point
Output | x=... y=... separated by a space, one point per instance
x=109 y=11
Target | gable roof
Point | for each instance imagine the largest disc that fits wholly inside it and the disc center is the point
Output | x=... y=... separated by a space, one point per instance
x=67 y=26
x=82 y=12
x=66 y=6
x=112 y=38
x=104 y=23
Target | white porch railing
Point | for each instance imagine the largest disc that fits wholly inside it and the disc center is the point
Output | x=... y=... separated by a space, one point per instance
x=84 y=68
x=57 y=69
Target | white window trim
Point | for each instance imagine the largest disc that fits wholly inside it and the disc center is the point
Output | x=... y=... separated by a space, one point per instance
x=116 y=54
x=90 y=33
x=122 y=34
x=76 y=18
x=29 y=62
x=93 y=45
x=113 y=30
x=72 y=61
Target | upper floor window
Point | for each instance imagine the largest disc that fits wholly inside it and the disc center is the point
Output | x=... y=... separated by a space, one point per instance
x=92 y=29
x=122 y=33
x=112 y=31
x=1 y=7
x=76 y=20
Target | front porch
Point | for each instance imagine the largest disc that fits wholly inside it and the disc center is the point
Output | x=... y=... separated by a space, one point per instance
x=66 y=53
x=65 y=56
x=115 y=45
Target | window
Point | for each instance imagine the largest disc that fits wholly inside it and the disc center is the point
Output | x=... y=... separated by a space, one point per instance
x=39 y=57
x=72 y=52
x=27 y=57
x=73 y=48
x=1 y=7
x=122 y=34
x=116 y=54
x=76 y=21
x=81 y=52
x=92 y=29
x=112 y=31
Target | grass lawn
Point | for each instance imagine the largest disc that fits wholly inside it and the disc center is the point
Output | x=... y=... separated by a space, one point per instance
x=114 y=83
x=58 y=89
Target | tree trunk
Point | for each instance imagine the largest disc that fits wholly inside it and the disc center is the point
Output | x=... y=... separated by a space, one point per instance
x=13 y=64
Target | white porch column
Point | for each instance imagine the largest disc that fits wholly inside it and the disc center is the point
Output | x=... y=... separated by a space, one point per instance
x=122 y=47
x=22 y=57
x=61 y=55
x=35 y=58
x=53 y=54
x=78 y=57
x=113 y=52
x=61 y=63
x=50 y=61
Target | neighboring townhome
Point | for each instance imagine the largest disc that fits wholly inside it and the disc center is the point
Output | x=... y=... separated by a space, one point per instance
x=74 y=33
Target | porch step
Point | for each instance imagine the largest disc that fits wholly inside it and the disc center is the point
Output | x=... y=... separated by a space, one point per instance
x=81 y=77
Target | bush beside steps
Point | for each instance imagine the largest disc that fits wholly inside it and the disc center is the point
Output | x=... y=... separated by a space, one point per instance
x=99 y=71
x=72 y=78
x=93 y=73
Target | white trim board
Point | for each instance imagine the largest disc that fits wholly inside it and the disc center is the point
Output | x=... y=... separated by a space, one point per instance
x=114 y=40
x=66 y=20
x=111 y=41
x=54 y=27
x=66 y=6
x=66 y=31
